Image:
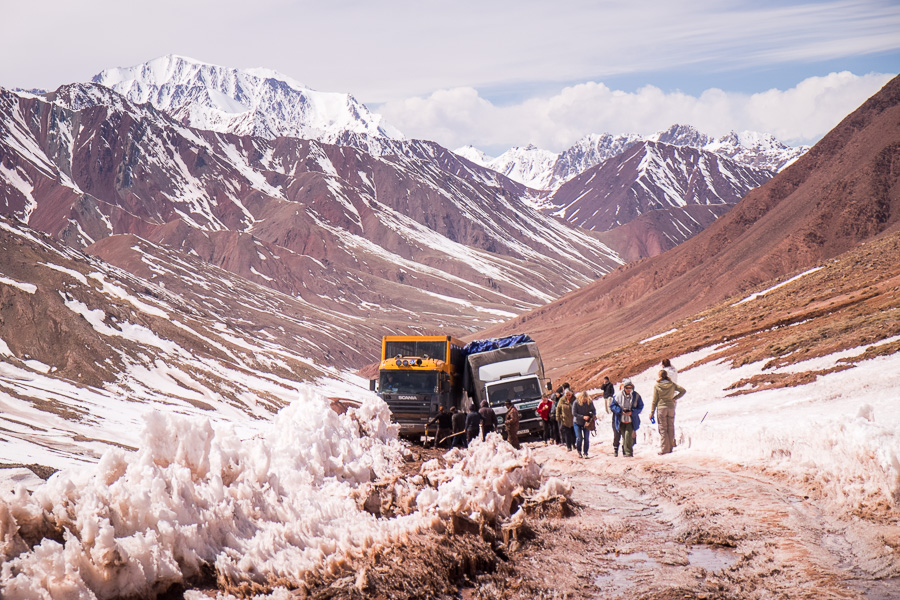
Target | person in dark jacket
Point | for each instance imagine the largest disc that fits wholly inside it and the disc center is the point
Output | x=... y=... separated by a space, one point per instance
x=488 y=419
x=444 y=422
x=459 y=427
x=473 y=423
x=626 y=408
x=583 y=415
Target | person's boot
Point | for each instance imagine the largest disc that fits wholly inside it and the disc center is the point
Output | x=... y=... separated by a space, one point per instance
x=616 y=451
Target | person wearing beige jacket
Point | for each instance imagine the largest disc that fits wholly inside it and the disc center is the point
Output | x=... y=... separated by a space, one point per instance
x=665 y=397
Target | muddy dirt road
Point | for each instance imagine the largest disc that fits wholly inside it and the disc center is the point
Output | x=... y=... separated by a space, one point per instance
x=690 y=526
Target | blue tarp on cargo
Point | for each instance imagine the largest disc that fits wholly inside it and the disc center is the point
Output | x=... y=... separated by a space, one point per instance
x=494 y=343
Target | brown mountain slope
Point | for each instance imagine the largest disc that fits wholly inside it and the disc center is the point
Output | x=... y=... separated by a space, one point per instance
x=842 y=192
x=852 y=301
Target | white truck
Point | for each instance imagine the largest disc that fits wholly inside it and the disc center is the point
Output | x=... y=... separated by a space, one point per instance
x=503 y=369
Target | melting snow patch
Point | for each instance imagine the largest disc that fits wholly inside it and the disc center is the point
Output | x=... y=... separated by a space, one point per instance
x=275 y=507
x=775 y=287
x=656 y=337
x=28 y=288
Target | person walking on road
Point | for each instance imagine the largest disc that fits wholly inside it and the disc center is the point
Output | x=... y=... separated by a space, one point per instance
x=488 y=419
x=626 y=408
x=512 y=425
x=584 y=414
x=665 y=397
x=564 y=418
x=473 y=423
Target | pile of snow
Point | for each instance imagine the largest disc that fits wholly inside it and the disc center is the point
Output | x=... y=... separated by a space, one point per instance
x=264 y=512
x=839 y=434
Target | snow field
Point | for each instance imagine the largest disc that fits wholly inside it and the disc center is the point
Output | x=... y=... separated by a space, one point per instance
x=840 y=433
x=264 y=511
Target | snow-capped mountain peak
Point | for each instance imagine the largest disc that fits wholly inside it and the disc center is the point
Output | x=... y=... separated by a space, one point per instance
x=254 y=101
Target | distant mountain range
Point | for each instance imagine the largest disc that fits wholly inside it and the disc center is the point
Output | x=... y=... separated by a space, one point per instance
x=843 y=192
x=310 y=194
x=544 y=170
x=412 y=241
x=255 y=102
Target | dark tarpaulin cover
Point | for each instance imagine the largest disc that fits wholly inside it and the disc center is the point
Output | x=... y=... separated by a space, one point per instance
x=477 y=346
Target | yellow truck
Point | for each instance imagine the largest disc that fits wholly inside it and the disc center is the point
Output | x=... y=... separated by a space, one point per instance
x=417 y=375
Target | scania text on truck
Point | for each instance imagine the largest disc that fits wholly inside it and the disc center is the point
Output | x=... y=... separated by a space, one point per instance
x=417 y=375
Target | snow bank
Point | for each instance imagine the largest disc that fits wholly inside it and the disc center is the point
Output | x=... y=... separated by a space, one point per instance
x=481 y=481
x=839 y=434
x=262 y=512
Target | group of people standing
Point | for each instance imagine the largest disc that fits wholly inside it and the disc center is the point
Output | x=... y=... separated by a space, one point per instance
x=568 y=421
x=459 y=429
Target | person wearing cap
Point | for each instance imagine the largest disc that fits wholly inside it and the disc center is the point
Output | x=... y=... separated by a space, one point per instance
x=512 y=424
x=565 y=419
x=626 y=408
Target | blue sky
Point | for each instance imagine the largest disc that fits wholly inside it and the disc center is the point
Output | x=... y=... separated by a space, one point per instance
x=504 y=72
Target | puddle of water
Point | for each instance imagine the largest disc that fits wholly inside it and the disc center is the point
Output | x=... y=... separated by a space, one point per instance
x=618 y=579
x=711 y=558
x=879 y=589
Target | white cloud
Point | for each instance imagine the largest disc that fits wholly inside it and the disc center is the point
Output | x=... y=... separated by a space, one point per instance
x=798 y=115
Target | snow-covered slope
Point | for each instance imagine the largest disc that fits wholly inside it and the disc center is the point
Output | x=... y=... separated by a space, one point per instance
x=418 y=231
x=258 y=102
x=543 y=170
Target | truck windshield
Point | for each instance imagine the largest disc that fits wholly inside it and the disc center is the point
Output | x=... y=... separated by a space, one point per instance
x=408 y=382
x=415 y=348
x=521 y=389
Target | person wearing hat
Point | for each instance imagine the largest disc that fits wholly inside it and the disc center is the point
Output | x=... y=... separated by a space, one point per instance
x=626 y=408
x=512 y=424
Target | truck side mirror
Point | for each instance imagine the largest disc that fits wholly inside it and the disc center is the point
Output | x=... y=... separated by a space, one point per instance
x=372 y=385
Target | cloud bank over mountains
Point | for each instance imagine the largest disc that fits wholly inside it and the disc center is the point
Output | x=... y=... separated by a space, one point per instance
x=799 y=115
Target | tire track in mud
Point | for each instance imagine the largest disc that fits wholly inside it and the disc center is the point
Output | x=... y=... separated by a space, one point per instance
x=690 y=526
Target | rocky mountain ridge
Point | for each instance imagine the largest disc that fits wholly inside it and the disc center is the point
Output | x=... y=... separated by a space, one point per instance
x=256 y=102
x=839 y=194
x=543 y=170
x=408 y=234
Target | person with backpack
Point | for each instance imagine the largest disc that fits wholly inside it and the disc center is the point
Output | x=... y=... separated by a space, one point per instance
x=665 y=396
x=583 y=415
x=473 y=423
x=626 y=408
x=564 y=417
x=488 y=419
